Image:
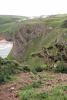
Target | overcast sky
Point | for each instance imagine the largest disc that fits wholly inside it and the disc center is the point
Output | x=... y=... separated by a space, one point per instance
x=33 y=7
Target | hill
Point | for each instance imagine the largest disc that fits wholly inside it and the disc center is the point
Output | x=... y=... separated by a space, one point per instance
x=36 y=34
x=30 y=36
x=9 y=24
x=36 y=68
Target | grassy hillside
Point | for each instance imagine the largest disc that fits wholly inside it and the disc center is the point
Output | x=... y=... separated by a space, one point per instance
x=10 y=24
x=56 y=33
x=48 y=31
x=38 y=58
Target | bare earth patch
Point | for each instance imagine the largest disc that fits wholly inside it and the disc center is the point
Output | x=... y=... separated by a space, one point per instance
x=50 y=80
x=9 y=90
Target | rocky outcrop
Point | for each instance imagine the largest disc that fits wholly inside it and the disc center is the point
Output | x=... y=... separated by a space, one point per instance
x=24 y=35
x=52 y=54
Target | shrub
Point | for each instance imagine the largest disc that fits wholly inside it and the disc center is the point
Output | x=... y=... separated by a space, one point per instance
x=36 y=84
x=64 y=25
x=41 y=68
x=7 y=68
x=60 y=67
x=38 y=69
x=26 y=69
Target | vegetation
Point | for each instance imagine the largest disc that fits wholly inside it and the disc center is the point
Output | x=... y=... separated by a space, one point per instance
x=41 y=44
x=47 y=53
x=60 y=67
x=34 y=56
x=8 y=68
x=55 y=34
x=9 y=25
x=57 y=93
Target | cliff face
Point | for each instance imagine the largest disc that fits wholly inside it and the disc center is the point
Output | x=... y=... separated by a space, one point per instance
x=32 y=35
x=25 y=35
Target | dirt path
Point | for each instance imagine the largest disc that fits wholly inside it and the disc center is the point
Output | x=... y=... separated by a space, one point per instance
x=51 y=79
x=9 y=90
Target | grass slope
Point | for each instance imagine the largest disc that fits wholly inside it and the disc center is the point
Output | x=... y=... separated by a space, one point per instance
x=57 y=93
x=9 y=24
x=55 y=33
x=55 y=83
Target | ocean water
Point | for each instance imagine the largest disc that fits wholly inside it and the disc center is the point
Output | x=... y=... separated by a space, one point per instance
x=5 y=49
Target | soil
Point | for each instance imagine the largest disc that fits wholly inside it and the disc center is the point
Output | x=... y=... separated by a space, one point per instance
x=8 y=91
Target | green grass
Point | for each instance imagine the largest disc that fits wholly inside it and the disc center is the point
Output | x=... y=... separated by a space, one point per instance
x=60 y=67
x=56 y=93
x=57 y=34
x=9 y=25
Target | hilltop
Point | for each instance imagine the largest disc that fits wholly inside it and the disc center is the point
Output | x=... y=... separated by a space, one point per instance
x=9 y=24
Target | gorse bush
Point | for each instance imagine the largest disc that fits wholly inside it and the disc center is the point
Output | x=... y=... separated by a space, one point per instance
x=7 y=68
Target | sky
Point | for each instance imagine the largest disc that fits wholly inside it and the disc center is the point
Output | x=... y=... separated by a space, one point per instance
x=33 y=7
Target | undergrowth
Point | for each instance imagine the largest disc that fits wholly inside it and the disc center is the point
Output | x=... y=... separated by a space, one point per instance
x=8 y=68
x=56 y=93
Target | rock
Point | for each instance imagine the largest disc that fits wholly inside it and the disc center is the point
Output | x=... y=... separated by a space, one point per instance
x=50 y=28
x=12 y=89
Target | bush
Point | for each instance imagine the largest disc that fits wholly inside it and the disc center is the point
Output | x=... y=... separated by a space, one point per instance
x=64 y=25
x=7 y=68
x=36 y=84
x=41 y=68
x=38 y=69
x=26 y=69
x=60 y=67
